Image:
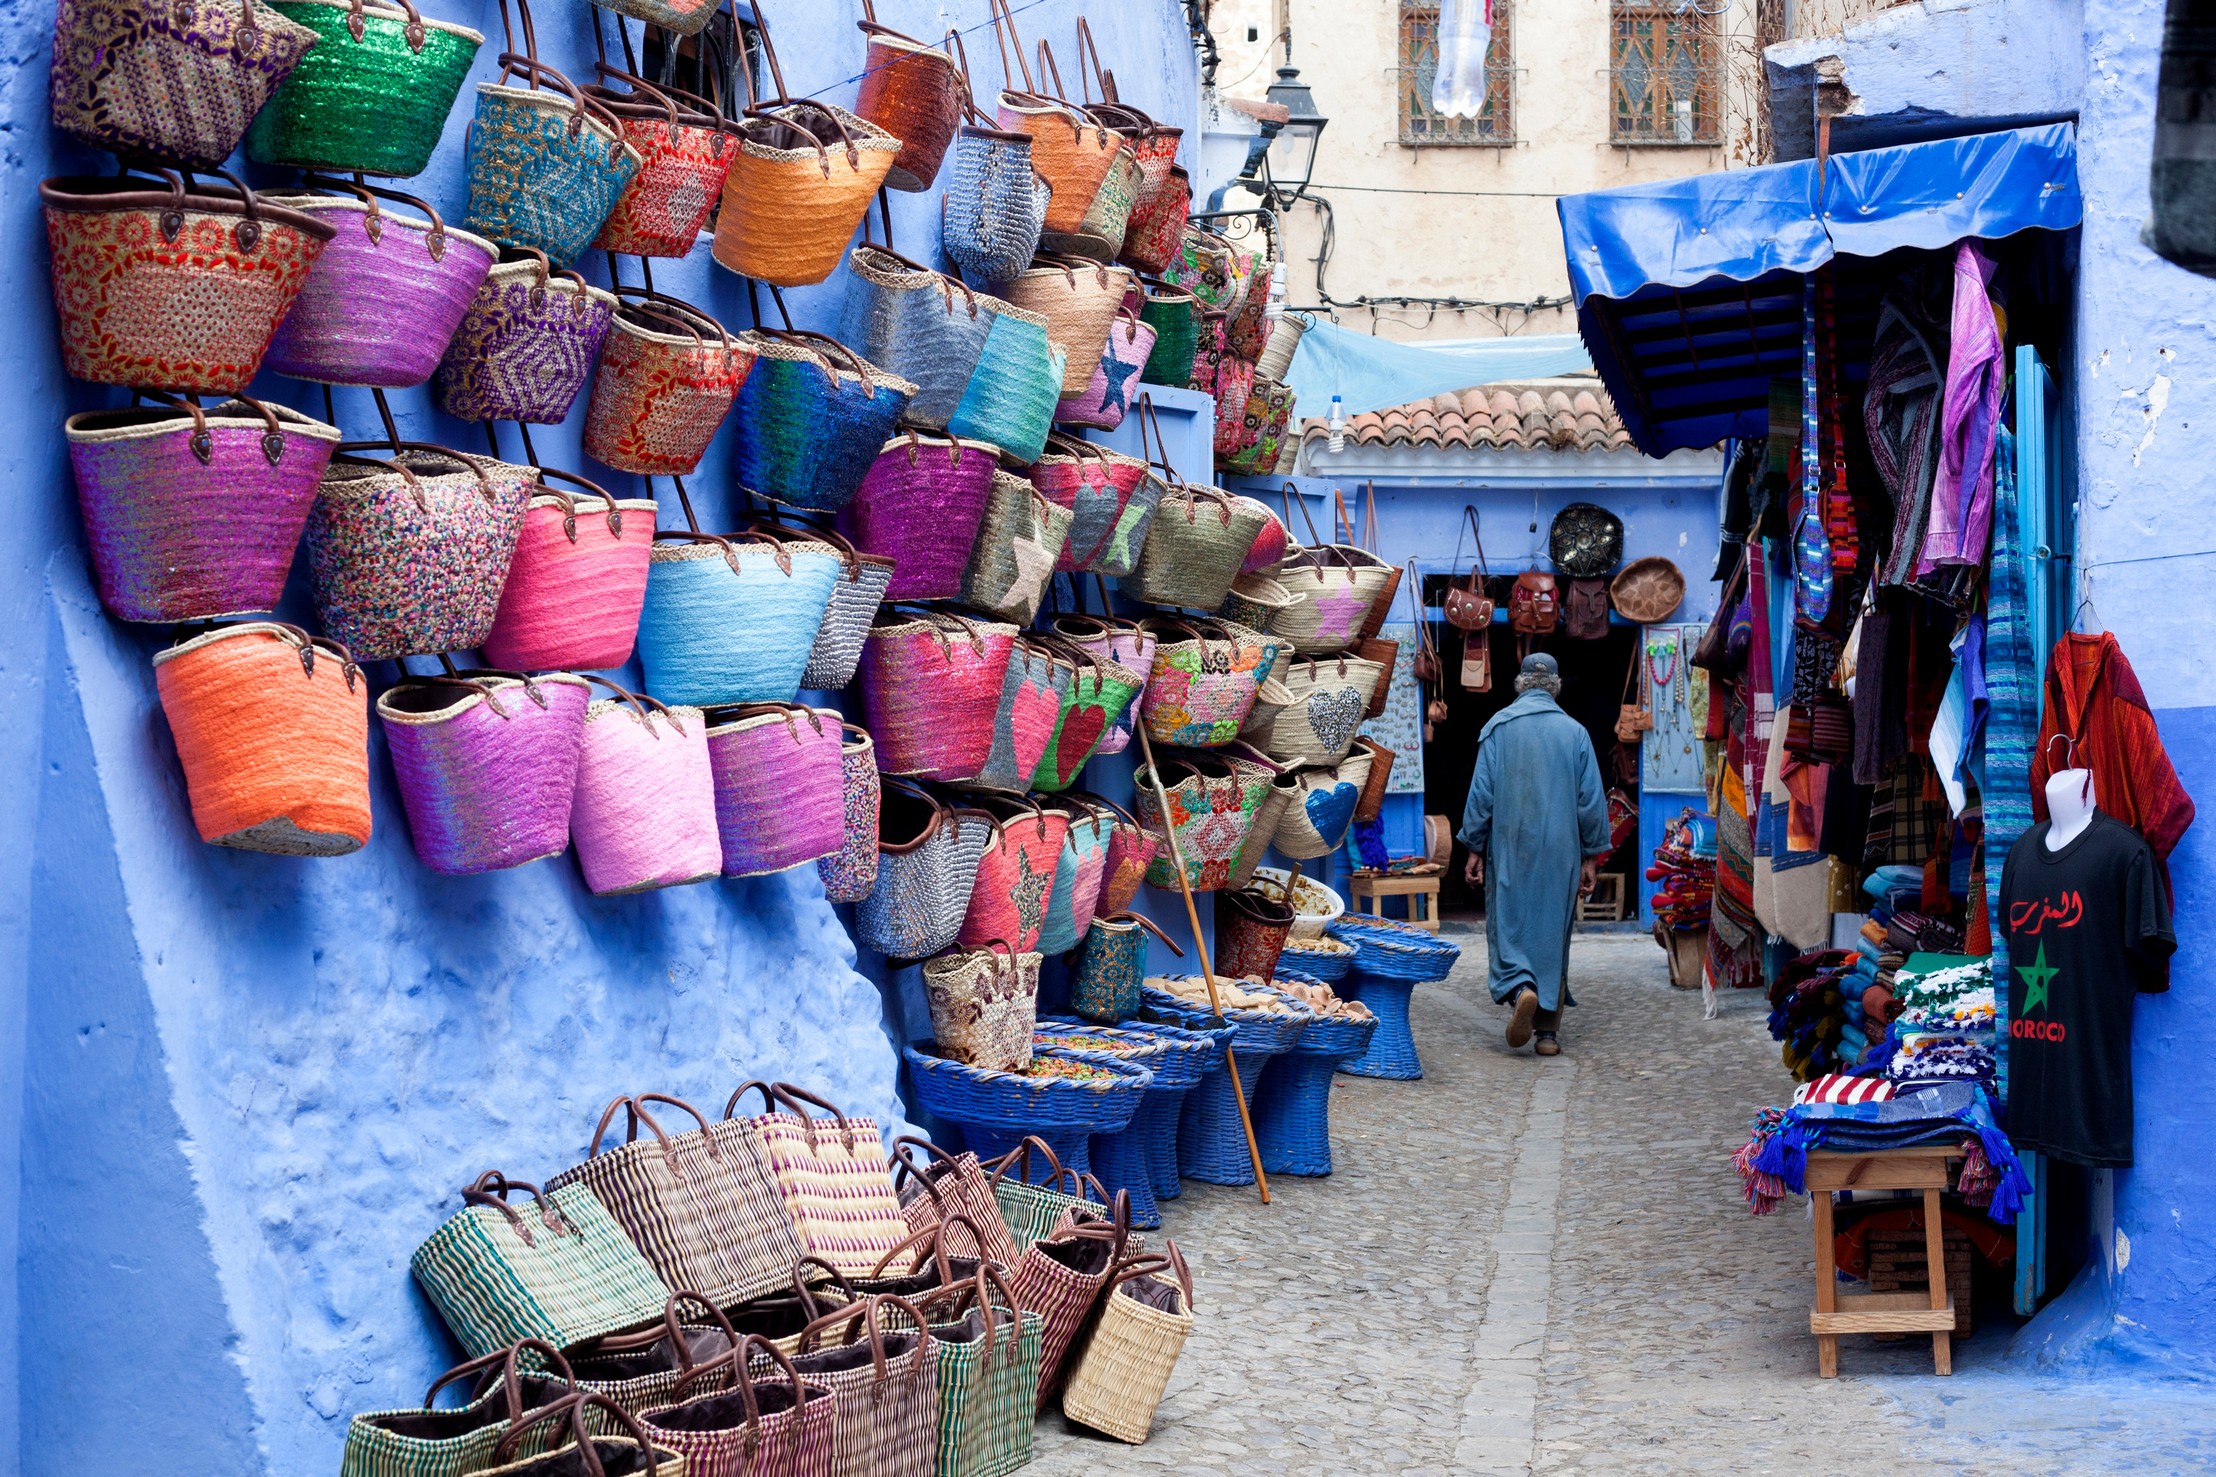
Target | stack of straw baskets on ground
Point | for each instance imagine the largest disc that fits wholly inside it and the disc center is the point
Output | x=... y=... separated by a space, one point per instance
x=770 y=1295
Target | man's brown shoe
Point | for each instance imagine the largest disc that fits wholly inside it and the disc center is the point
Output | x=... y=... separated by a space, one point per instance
x=1547 y=1046
x=1519 y=1024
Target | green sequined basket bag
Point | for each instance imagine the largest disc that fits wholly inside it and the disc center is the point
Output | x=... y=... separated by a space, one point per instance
x=372 y=95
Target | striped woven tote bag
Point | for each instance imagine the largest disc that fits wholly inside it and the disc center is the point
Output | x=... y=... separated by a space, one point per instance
x=1031 y=1208
x=943 y=1186
x=878 y=1360
x=1062 y=1278
x=426 y=1441
x=988 y=1362
x=832 y=1172
x=705 y=1211
x=561 y=1270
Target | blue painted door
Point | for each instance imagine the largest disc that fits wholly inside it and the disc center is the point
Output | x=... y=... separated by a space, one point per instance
x=2047 y=526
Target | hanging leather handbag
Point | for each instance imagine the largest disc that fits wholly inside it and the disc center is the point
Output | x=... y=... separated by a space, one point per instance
x=1476 y=674
x=1372 y=800
x=1585 y=610
x=1633 y=716
x=1534 y=606
x=1425 y=665
x=1468 y=606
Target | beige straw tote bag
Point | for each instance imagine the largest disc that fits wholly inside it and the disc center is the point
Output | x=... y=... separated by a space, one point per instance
x=1079 y=300
x=1117 y=1379
x=1330 y=699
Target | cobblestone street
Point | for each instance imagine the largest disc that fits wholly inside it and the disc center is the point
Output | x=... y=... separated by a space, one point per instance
x=1526 y=1265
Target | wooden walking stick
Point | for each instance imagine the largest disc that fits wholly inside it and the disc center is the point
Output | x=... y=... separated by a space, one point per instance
x=1200 y=945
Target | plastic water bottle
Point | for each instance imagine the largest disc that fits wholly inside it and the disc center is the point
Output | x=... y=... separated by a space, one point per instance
x=1465 y=31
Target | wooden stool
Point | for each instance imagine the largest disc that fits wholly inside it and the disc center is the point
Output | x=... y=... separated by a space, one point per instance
x=1922 y=1168
x=1422 y=892
x=1606 y=905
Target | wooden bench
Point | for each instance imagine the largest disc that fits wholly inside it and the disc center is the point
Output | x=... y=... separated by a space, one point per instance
x=1422 y=892
x=1922 y=1168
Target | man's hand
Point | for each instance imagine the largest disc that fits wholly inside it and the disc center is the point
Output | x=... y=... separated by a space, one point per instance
x=1473 y=870
x=1587 y=875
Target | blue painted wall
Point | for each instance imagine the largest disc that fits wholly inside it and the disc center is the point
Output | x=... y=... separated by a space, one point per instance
x=236 y=1091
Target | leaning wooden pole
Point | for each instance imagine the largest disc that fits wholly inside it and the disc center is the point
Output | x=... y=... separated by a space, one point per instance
x=1200 y=945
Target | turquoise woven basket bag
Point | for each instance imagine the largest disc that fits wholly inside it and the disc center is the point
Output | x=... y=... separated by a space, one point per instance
x=732 y=620
x=1011 y=398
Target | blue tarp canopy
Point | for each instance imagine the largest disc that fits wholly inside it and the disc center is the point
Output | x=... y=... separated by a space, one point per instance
x=1689 y=290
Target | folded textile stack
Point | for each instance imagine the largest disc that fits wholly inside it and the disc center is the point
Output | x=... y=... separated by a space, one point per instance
x=1896 y=929
x=1686 y=878
x=1960 y=1058
x=1773 y=1163
x=1816 y=1013
x=1946 y=992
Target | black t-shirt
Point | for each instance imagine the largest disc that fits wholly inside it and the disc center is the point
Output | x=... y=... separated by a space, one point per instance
x=2088 y=928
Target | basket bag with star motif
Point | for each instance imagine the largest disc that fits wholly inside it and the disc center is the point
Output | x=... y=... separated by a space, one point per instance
x=1019 y=541
x=1016 y=874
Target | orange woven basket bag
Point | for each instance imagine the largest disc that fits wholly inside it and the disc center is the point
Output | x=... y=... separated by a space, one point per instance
x=1071 y=152
x=272 y=728
x=802 y=181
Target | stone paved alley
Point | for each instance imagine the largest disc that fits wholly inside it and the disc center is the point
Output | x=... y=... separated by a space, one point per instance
x=1544 y=1266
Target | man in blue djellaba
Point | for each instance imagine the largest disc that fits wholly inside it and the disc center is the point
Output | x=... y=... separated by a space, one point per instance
x=1537 y=829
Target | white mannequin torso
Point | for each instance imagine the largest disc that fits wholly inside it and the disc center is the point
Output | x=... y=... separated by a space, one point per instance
x=2069 y=806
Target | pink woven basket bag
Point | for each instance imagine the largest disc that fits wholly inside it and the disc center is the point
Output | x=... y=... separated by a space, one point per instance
x=192 y=514
x=1010 y=898
x=644 y=815
x=779 y=789
x=1114 y=385
x=486 y=765
x=728 y=1420
x=931 y=687
x=577 y=581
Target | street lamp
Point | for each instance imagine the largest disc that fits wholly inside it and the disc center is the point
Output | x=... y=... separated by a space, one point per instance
x=1292 y=153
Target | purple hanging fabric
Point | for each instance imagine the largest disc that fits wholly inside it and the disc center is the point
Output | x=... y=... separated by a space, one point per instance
x=1969 y=418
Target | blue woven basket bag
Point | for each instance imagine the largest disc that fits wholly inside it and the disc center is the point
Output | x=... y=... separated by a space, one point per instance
x=731 y=620
x=810 y=419
x=1010 y=399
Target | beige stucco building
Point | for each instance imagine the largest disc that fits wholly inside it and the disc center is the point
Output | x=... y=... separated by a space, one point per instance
x=1594 y=94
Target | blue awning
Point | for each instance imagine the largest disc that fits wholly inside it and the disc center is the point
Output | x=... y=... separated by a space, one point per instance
x=1689 y=290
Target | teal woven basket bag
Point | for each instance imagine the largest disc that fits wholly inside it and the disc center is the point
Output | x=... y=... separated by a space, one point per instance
x=372 y=94
x=547 y=164
x=1011 y=397
x=557 y=1268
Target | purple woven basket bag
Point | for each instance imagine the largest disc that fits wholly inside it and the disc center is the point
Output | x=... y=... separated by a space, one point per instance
x=410 y=553
x=921 y=503
x=526 y=347
x=194 y=514
x=486 y=764
x=779 y=785
x=383 y=300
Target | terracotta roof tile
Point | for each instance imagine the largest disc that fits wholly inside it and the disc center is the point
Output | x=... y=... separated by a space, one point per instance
x=1512 y=417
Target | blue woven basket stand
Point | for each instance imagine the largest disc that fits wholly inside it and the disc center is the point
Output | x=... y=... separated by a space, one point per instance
x=997 y=1109
x=1384 y=949
x=1154 y=1126
x=1328 y=969
x=1211 y=1142
x=1292 y=1106
x=1177 y=1059
x=1392 y=1050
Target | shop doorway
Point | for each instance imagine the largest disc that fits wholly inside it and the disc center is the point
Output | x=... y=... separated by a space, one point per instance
x=1593 y=675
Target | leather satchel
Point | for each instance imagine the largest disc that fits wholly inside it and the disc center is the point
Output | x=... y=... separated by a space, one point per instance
x=1468 y=607
x=1534 y=607
x=1585 y=610
x=1477 y=660
x=1385 y=653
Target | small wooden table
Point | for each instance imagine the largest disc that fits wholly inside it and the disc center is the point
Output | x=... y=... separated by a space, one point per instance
x=1421 y=890
x=1922 y=1168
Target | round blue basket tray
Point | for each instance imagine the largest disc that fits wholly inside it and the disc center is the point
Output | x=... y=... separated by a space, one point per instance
x=1315 y=964
x=1211 y=1142
x=1392 y=1048
x=1016 y=1103
x=1176 y=1057
x=1385 y=949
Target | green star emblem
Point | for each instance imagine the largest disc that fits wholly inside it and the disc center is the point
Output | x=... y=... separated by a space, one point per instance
x=2037 y=976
